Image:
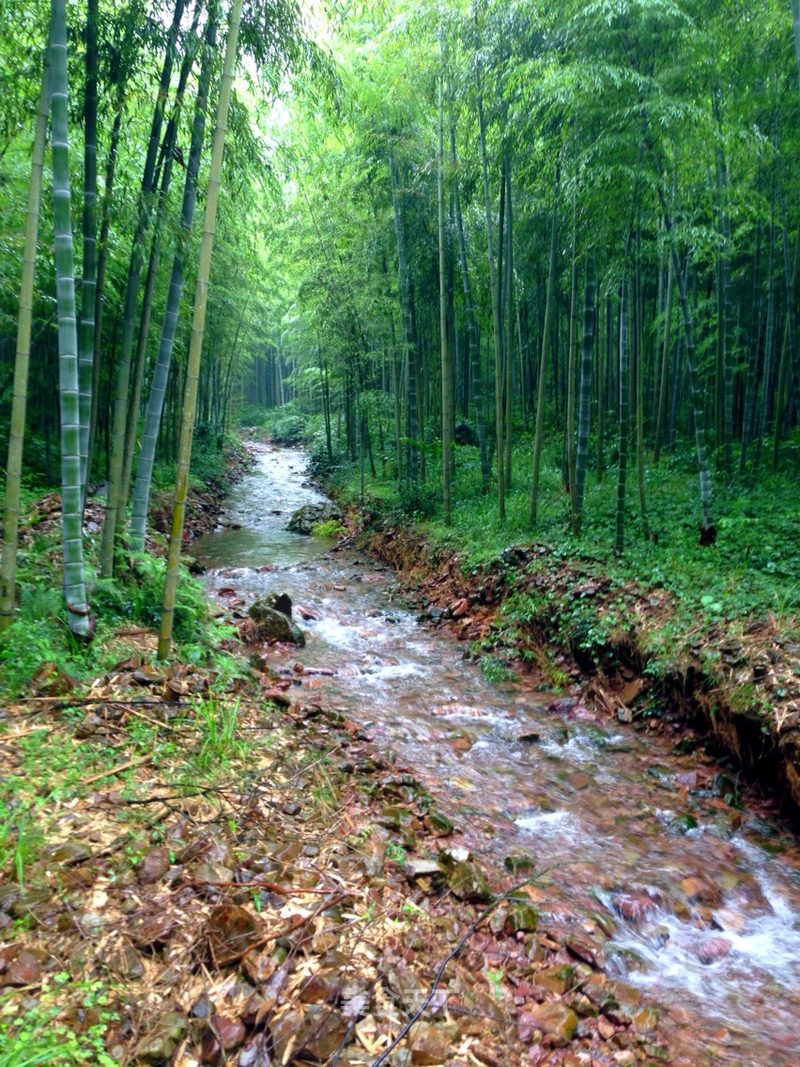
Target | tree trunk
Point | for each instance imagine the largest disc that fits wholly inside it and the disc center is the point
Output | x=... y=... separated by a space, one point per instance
x=140 y=360
x=624 y=400
x=89 y=275
x=661 y=411
x=16 y=438
x=549 y=308
x=446 y=356
x=412 y=463
x=78 y=616
x=494 y=282
x=196 y=343
x=509 y=340
x=584 y=402
x=123 y=371
x=158 y=385
x=472 y=330
x=708 y=531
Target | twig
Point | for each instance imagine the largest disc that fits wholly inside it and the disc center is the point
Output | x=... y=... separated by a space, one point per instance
x=117 y=770
x=257 y=883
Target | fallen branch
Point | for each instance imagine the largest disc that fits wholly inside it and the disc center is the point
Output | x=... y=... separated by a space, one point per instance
x=117 y=770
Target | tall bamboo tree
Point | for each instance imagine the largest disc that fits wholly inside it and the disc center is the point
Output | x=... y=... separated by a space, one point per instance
x=78 y=615
x=549 y=311
x=89 y=273
x=11 y=511
x=158 y=385
x=446 y=358
x=196 y=342
x=584 y=401
x=123 y=372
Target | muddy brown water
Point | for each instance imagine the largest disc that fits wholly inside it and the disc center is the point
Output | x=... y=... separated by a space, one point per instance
x=610 y=810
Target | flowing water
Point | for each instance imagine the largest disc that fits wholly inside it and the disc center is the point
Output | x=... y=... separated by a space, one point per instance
x=704 y=900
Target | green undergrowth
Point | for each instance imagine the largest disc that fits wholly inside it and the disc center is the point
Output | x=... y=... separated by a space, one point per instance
x=40 y=634
x=37 y=1035
x=752 y=572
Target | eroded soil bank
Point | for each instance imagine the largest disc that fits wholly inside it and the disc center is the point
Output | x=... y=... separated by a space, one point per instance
x=545 y=615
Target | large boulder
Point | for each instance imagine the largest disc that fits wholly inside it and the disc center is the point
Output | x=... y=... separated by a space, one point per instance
x=308 y=516
x=274 y=625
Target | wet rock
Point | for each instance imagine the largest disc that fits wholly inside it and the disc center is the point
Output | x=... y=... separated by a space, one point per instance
x=698 y=890
x=274 y=625
x=154 y=866
x=468 y=882
x=556 y=979
x=522 y=917
x=431 y=1043
x=683 y=823
x=518 y=864
x=634 y=905
x=645 y=1021
x=153 y=931
x=316 y=1033
x=556 y=1021
x=437 y=824
x=159 y=1045
x=397 y=817
x=23 y=971
x=422 y=868
x=308 y=516
x=717 y=948
x=281 y=602
x=230 y=932
x=585 y=949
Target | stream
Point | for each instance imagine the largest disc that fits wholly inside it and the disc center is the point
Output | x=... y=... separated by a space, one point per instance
x=702 y=900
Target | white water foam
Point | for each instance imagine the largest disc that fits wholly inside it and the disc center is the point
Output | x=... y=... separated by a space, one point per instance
x=550 y=824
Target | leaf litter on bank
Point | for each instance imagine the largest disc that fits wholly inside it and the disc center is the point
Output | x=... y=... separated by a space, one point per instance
x=224 y=930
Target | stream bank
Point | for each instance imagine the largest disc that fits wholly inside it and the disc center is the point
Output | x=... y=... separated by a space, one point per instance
x=174 y=815
x=686 y=889
x=548 y=617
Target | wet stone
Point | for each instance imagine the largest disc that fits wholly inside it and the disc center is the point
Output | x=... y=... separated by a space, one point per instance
x=468 y=882
x=397 y=817
x=437 y=824
x=431 y=1043
x=154 y=865
x=556 y=979
x=522 y=917
x=159 y=1045
x=556 y=1021
x=23 y=971
x=274 y=625
x=317 y=1033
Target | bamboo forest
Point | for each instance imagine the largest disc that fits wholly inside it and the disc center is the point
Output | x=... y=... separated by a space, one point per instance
x=400 y=566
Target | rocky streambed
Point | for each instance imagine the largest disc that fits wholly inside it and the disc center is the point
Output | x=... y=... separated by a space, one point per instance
x=653 y=873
